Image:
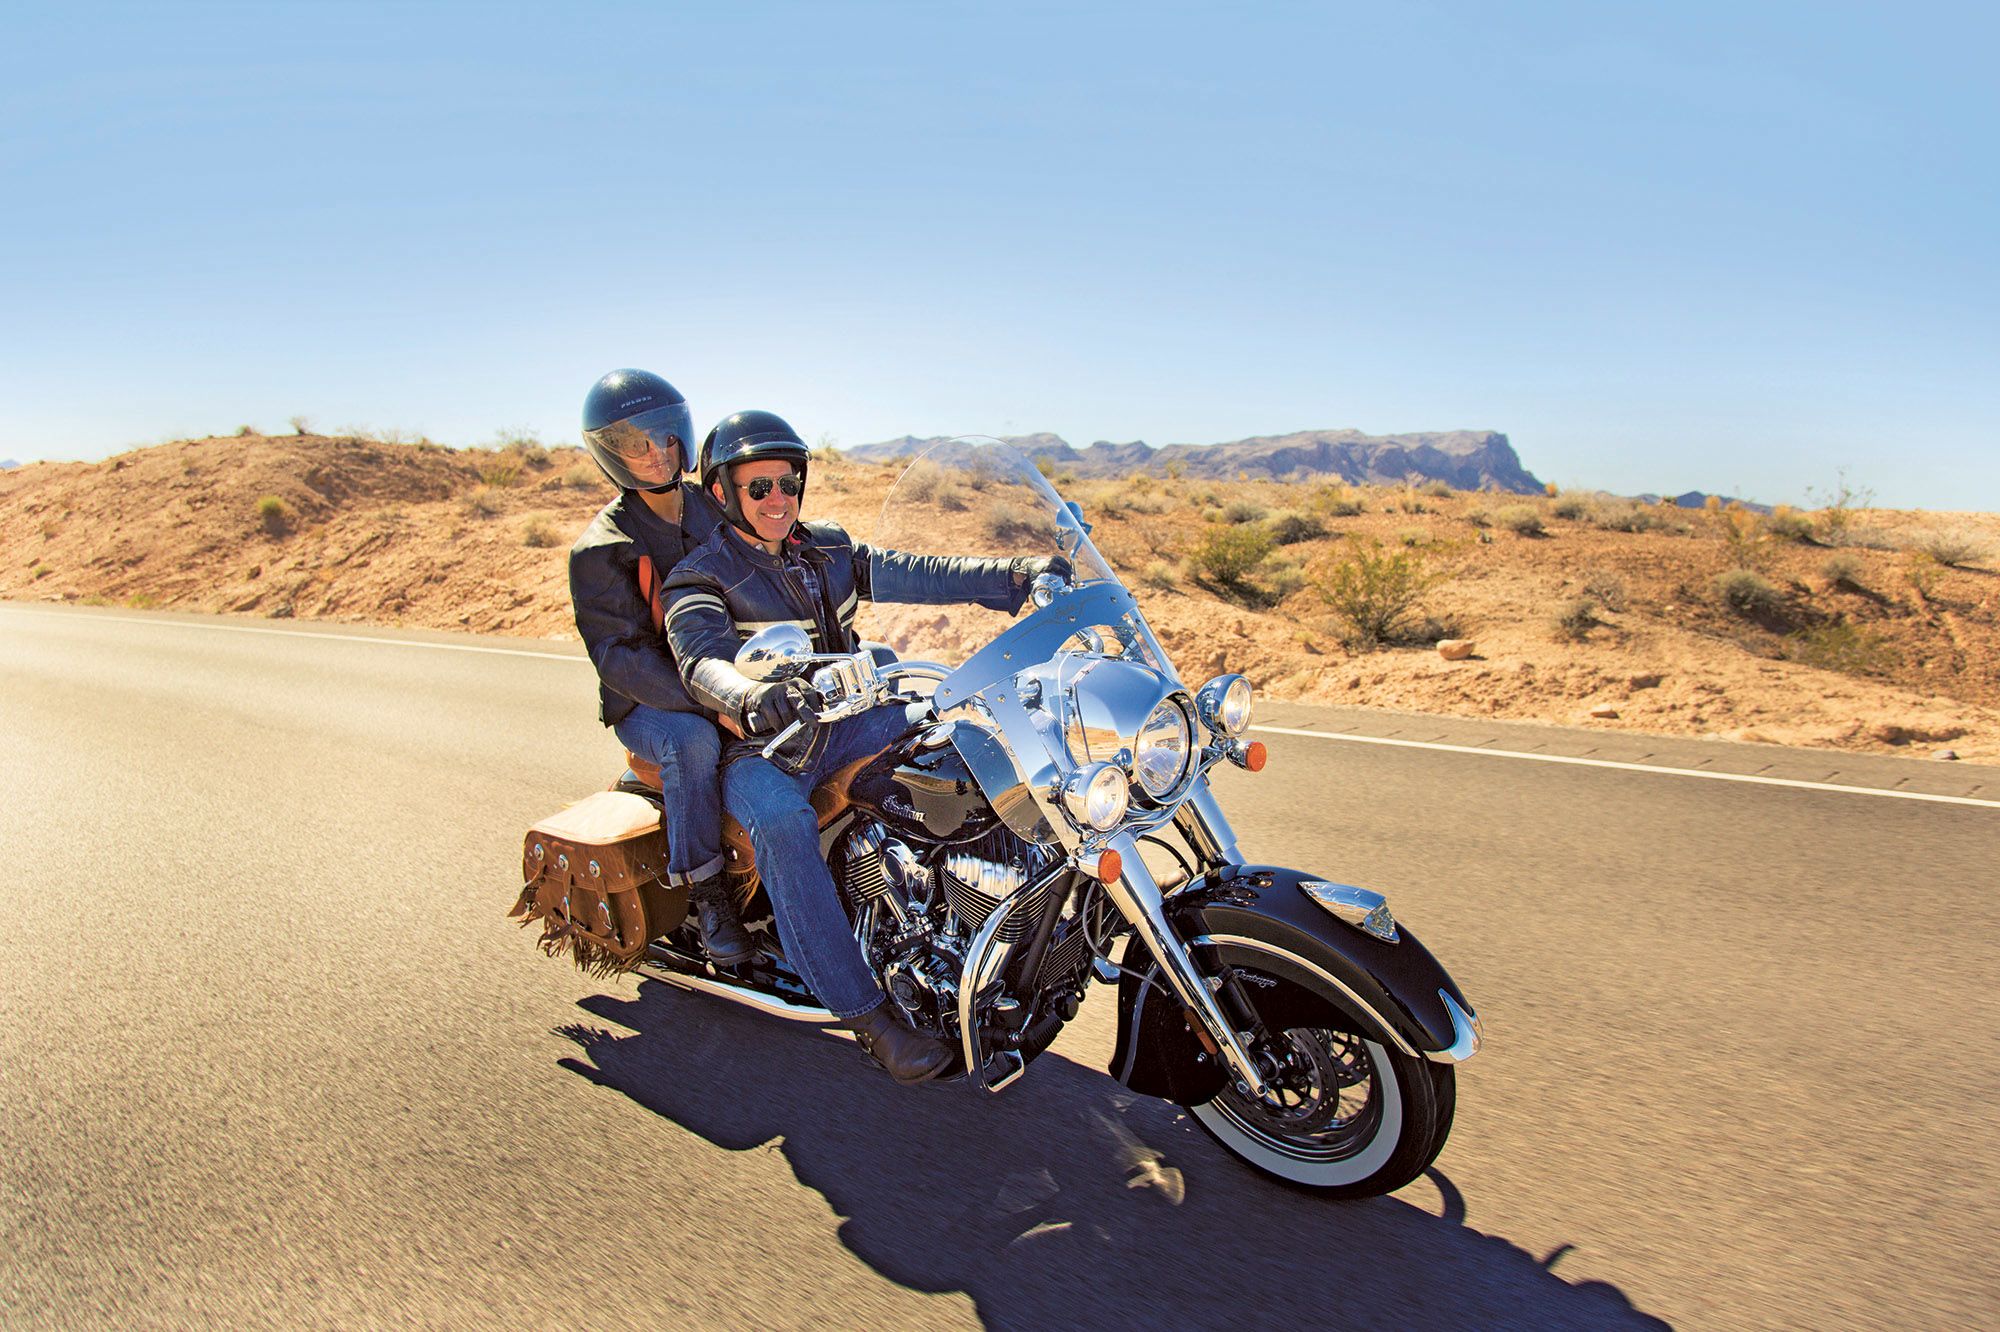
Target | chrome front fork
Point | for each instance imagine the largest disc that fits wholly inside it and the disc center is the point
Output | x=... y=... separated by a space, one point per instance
x=1137 y=894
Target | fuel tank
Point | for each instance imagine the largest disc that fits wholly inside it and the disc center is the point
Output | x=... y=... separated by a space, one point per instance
x=921 y=786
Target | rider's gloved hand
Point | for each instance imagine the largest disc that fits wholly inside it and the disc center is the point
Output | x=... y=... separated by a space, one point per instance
x=770 y=708
x=1026 y=570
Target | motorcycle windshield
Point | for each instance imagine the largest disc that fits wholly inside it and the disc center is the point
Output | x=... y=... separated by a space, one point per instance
x=981 y=497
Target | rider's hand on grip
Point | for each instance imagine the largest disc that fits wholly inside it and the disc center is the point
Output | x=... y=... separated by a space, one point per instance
x=770 y=708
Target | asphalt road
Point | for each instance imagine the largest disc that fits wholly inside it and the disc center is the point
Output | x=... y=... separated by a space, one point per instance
x=271 y=1055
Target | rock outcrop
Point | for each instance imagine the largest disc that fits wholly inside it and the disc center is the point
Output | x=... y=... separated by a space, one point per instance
x=1462 y=459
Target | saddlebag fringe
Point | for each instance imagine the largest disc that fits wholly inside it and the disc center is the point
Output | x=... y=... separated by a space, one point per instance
x=591 y=878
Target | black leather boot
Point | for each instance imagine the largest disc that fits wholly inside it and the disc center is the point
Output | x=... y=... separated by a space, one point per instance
x=722 y=934
x=910 y=1056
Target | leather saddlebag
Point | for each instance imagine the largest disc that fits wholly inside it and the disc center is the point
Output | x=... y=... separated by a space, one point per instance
x=591 y=876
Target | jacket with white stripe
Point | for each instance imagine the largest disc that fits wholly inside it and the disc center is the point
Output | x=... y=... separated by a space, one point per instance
x=729 y=589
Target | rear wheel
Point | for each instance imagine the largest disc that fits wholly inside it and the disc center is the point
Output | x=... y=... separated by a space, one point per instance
x=1344 y=1113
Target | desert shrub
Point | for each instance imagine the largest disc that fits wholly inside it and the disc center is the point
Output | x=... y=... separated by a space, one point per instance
x=1746 y=592
x=1005 y=520
x=1175 y=468
x=1374 y=591
x=480 y=502
x=1336 y=501
x=1788 y=524
x=300 y=425
x=1244 y=511
x=1841 y=570
x=922 y=482
x=540 y=533
x=1229 y=554
x=1571 y=507
x=1574 y=619
x=1842 y=647
x=1435 y=489
x=1952 y=549
x=274 y=514
x=584 y=476
x=1160 y=574
x=1149 y=502
x=1625 y=516
x=1743 y=537
x=1837 y=507
x=1482 y=520
x=142 y=601
x=1413 y=536
x=500 y=472
x=245 y=431
x=1607 y=589
x=1520 y=519
x=1289 y=527
x=1281 y=578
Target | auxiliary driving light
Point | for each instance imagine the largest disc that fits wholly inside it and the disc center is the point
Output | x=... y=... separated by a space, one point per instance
x=1224 y=705
x=1096 y=796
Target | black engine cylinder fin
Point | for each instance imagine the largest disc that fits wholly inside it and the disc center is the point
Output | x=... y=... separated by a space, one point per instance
x=1065 y=955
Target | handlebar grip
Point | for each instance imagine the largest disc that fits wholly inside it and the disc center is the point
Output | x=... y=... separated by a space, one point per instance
x=778 y=740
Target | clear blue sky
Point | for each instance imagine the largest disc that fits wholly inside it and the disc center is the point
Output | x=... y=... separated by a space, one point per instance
x=1722 y=247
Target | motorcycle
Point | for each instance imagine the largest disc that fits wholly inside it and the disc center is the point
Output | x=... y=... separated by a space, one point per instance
x=1048 y=821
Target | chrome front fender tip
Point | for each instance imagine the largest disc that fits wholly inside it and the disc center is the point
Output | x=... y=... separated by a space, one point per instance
x=1365 y=910
x=1465 y=1030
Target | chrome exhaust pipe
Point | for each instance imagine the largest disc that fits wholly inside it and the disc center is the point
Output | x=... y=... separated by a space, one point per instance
x=661 y=965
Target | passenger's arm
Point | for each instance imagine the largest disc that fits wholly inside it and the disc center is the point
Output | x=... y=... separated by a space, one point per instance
x=616 y=626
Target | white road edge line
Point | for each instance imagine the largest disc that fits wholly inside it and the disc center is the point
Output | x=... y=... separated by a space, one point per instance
x=1269 y=730
x=304 y=633
x=1633 y=767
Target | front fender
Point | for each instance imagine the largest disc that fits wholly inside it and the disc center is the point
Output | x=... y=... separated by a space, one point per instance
x=1258 y=916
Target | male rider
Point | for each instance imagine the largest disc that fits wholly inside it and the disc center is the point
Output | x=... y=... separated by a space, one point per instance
x=636 y=425
x=764 y=566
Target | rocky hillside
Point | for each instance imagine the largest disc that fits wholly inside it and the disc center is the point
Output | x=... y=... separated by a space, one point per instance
x=1461 y=459
x=1861 y=630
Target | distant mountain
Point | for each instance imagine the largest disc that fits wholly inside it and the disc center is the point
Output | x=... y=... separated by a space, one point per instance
x=8 y=464
x=1462 y=459
x=1698 y=499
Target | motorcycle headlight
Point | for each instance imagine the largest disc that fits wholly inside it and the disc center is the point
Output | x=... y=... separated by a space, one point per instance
x=1224 y=705
x=1162 y=750
x=1096 y=796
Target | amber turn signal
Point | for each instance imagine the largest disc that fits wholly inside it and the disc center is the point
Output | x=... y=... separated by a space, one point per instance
x=1253 y=757
x=1105 y=866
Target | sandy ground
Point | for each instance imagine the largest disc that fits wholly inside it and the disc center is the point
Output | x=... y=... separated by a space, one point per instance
x=1863 y=642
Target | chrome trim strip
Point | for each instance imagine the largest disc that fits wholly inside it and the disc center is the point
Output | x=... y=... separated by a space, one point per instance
x=1259 y=946
x=1466 y=1031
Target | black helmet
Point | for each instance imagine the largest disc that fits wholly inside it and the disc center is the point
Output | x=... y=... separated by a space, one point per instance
x=749 y=437
x=628 y=415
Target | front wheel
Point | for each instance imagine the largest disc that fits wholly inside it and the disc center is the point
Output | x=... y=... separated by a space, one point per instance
x=1344 y=1115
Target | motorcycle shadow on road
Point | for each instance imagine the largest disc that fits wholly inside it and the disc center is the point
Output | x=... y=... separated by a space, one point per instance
x=1066 y=1200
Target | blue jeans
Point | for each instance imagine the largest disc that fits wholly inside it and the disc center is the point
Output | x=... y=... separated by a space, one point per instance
x=687 y=748
x=775 y=808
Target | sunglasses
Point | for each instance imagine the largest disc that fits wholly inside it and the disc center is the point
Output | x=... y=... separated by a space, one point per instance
x=761 y=487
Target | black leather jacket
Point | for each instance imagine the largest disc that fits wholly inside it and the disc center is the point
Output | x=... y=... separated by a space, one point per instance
x=729 y=589
x=613 y=616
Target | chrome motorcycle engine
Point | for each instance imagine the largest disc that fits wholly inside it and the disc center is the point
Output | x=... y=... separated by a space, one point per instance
x=914 y=918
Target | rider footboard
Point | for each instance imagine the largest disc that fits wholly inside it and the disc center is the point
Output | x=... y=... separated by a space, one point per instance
x=591 y=876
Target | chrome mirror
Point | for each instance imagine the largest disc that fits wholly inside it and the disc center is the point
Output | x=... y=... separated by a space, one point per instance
x=775 y=653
